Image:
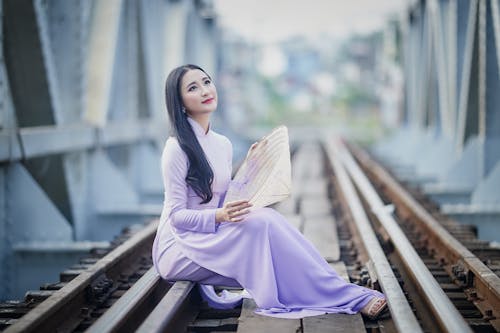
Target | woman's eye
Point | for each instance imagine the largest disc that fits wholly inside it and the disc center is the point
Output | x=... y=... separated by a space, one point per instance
x=207 y=82
x=191 y=88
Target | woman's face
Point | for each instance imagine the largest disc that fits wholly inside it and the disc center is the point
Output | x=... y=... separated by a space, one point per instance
x=198 y=93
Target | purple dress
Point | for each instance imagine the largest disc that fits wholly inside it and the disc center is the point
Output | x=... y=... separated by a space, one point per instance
x=282 y=271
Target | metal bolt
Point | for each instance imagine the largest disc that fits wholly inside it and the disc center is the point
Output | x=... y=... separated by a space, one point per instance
x=85 y=312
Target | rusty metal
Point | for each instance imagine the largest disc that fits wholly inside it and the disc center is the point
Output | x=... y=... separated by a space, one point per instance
x=65 y=308
x=446 y=315
x=173 y=311
x=401 y=312
x=476 y=278
x=133 y=306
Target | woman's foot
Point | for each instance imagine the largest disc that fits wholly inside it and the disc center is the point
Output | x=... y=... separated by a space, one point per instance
x=375 y=307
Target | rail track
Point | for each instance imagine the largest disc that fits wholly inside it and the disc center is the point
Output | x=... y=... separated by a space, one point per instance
x=446 y=247
x=85 y=291
x=436 y=275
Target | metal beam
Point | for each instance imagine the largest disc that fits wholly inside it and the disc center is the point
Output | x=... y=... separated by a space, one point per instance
x=25 y=64
x=491 y=117
x=100 y=65
x=175 y=32
x=48 y=140
x=469 y=79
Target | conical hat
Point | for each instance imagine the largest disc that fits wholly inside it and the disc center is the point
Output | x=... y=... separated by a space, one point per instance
x=264 y=177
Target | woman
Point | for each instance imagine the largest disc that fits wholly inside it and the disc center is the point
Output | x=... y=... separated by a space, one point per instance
x=200 y=240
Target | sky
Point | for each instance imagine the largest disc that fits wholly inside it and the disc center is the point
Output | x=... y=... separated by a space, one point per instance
x=269 y=21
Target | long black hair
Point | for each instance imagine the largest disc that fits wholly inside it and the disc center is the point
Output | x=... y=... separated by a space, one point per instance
x=200 y=175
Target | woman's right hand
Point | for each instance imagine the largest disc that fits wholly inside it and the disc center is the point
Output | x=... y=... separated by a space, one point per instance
x=258 y=144
x=233 y=211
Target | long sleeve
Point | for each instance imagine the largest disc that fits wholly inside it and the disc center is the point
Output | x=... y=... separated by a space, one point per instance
x=174 y=171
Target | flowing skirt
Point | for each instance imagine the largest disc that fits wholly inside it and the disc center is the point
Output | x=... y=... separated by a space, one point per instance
x=282 y=271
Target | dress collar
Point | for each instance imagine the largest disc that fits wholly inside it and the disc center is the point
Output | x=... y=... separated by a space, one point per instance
x=197 y=128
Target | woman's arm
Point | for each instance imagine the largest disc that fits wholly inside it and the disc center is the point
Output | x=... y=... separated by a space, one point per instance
x=174 y=171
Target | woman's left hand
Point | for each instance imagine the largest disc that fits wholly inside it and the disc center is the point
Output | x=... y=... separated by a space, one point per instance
x=233 y=211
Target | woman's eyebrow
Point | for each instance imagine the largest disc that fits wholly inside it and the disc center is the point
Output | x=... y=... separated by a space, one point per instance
x=202 y=79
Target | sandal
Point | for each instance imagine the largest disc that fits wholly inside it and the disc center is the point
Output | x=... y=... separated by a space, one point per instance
x=375 y=308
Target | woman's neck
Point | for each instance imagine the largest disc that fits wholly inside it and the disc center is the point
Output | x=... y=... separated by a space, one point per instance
x=203 y=120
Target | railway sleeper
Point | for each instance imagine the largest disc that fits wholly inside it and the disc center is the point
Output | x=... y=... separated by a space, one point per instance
x=460 y=276
x=210 y=325
x=100 y=294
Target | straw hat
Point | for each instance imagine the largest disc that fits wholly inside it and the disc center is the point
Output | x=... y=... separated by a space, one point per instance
x=264 y=177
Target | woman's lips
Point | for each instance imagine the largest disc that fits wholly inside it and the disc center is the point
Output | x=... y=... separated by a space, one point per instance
x=208 y=101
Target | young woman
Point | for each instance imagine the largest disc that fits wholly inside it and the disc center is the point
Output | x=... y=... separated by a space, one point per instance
x=200 y=240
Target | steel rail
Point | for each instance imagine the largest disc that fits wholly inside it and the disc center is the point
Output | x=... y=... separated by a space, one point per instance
x=483 y=284
x=401 y=312
x=133 y=305
x=64 y=306
x=172 y=311
x=446 y=314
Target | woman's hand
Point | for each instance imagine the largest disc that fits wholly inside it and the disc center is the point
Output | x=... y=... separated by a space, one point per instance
x=252 y=147
x=260 y=144
x=233 y=211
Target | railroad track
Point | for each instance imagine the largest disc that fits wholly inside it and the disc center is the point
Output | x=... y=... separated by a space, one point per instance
x=370 y=228
x=83 y=294
x=473 y=286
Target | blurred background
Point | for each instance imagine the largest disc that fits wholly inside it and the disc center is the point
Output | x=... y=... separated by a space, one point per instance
x=318 y=64
x=83 y=119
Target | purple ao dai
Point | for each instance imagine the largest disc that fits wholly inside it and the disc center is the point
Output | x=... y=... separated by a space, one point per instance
x=265 y=254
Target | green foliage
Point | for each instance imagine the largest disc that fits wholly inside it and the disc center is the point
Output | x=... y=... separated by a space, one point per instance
x=355 y=96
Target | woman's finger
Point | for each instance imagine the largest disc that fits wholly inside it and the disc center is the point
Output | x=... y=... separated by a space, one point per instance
x=237 y=203
x=238 y=208
x=241 y=206
x=240 y=213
